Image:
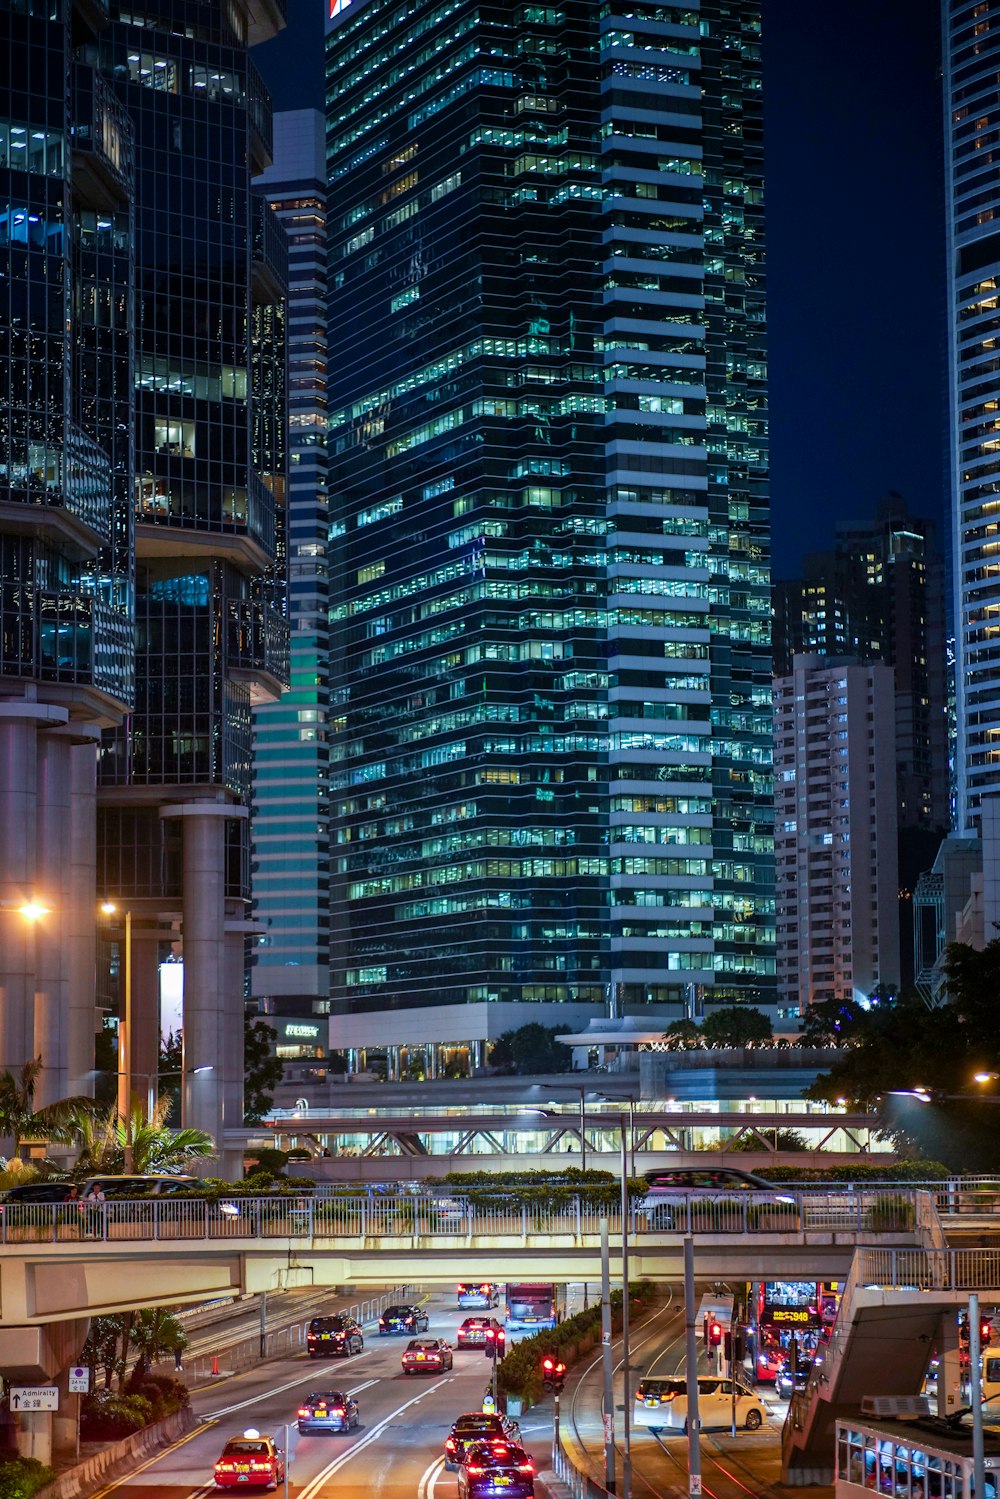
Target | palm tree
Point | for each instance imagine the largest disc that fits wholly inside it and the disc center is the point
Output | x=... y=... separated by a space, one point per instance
x=19 y=1119
x=101 y=1136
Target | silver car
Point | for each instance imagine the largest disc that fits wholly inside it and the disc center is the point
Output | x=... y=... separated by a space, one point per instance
x=329 y=1410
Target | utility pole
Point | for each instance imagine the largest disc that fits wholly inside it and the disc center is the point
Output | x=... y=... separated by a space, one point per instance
x=691 y=1372
x=626 y=1372
x=976 y=1386
x=609 y=1399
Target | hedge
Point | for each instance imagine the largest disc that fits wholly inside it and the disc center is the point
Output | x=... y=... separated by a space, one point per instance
x=520 y=1372
x=20 y=1477
x=898 y=1171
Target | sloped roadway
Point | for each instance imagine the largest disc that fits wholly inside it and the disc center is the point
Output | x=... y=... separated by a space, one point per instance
x=396 y=1451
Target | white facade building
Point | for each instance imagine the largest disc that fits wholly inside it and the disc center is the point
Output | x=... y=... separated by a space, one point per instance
x=835 y=830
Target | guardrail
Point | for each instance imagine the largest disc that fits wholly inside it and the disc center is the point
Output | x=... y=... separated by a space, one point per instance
x=580 y=1484
x=368 y=1219
x=284 y=1341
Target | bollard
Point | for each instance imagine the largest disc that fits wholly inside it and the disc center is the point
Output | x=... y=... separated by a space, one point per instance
x=215 y=1363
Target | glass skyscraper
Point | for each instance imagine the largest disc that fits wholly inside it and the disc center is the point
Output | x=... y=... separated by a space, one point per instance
x=972 y=213
x=551 y=720
x=291 y=757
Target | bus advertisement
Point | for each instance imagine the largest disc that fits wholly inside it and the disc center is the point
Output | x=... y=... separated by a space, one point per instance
x=532 y=1306
x=788 y=1303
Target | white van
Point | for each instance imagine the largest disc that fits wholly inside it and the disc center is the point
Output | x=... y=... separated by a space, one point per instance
x=661 y=1404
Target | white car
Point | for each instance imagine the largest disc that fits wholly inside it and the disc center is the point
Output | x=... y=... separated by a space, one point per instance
x=661 y=1404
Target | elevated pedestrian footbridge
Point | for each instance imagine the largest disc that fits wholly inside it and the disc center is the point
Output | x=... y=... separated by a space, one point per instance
x=898 y=1309
x=59 y=1261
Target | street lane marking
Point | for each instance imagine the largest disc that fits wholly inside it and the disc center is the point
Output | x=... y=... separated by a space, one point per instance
x=429 y=1478
x=315 y=1485
x=278 y=1390
x=164 y=1452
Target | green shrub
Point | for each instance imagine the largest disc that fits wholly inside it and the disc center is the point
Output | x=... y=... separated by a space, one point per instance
x=860 y=1174
x=20 y=1477
x=106 y=1416
x=889 y=1214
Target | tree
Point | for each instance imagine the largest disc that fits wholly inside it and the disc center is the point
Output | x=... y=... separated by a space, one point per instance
x=681 y=1034
x=19 y=1118
x=101 y=1136
x=900 y=1045
x=263 y=1070
x=532 y=1049
x=737 y=1025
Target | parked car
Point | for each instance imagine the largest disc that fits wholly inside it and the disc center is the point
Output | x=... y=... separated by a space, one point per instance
x=662 y=1404
x=135 y=1185
x=50 y=1190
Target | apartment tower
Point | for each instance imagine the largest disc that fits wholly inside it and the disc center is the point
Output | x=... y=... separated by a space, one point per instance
x=551 y=722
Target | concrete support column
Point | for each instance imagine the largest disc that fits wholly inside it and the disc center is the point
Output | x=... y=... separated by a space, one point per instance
x=19 y=724
x=206 y=997
x=81 y=929
x=145 y=1040
x=66 y=1423
x=232 y=1060
x=51 y=1029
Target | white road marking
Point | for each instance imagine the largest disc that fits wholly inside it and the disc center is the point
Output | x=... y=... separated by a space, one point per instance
x=315 y=1485
x=429 y=1478
x=279 y=1390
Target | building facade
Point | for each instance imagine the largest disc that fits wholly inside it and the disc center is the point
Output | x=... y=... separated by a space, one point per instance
x=290 y=828
x=550 y=753
x=879 y=596
x=971 y=67
x=66 y=559
x=835 y=831
x=208 y=496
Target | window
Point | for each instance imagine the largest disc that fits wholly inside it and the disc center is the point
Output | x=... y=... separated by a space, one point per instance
x=176 y=438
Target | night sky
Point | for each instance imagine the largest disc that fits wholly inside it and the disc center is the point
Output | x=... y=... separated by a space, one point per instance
x=855 y=252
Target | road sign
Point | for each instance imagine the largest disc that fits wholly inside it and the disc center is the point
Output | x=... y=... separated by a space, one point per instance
x=79 y=1381
x=694 y=1485
x=34 y=1398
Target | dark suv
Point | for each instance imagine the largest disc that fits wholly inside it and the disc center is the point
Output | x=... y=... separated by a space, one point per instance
x=334 y=1336
x=408 y=1319
x=472 y=1430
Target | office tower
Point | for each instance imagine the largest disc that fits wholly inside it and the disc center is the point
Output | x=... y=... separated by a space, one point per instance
x=66 y=162
x=551 y=709
x=879 y=596
x=835 y=831
x=211 y=642
x=290 y=833
x=971 y=69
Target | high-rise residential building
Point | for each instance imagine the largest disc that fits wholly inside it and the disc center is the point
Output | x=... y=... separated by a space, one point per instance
x=211 y=637
x=66 y=568
x=971 y=70
x=835 y=831
x=879 y=596
x=290 y=829
x=551 y=778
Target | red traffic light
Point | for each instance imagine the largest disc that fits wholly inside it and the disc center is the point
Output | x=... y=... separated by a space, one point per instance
x=715 y=1334
x=548 y=1364
x=985 y=1329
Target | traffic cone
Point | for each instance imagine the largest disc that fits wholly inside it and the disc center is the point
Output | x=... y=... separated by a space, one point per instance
x=215 y=1363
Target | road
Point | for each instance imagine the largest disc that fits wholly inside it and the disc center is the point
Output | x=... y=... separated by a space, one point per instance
x=396 y=1451
x=747 y=1467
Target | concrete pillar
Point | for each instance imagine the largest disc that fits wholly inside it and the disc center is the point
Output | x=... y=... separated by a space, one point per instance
x=81 y=930
x=232 y=1060
x=206 y=999
x=17 y=884
x=145 y=1044
x=51 y=1015
x=949 y=1385
x=34 y=1436
x=66 y=1423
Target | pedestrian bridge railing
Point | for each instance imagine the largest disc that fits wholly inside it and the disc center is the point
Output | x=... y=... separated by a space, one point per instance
x=370 y=1219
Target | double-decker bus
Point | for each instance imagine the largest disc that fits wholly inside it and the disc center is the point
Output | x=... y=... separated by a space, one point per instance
x=532 y=1306
x=788 y=1304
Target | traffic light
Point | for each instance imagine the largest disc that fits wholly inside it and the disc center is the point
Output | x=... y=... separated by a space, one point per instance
x=553 y=1373
x=500 y=1344
x=985 y=1331
x=714 y=1335
x=495 y=1346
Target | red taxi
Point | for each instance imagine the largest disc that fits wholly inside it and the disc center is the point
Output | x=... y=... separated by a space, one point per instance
x=253 y=1460
x=427 y=1356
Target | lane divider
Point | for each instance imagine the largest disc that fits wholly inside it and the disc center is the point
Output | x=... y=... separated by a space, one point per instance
x=316 y=1484
x=429 y=1478
x=278 y=1390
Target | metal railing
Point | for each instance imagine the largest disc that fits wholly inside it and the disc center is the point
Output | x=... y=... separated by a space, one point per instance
x=372 y=1219
x=580 y=1484
x=283 y=1341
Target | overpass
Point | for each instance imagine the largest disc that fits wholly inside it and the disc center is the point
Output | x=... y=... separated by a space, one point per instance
x=61 y=1261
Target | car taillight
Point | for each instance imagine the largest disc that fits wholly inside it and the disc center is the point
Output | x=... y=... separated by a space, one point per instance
x=476 y=1470
x=450 y=1444
x=304 y=1410
x=256 y=1467
x=526 y=1467
x=338 y=1410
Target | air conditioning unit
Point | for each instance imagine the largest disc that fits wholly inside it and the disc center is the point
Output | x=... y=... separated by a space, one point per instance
x=896 y=1407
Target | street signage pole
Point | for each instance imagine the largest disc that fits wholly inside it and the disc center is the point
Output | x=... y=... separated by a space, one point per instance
x=691 y=1372
x=609 y=1399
